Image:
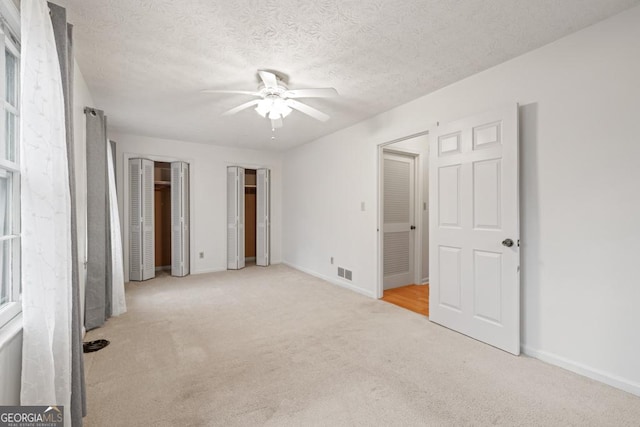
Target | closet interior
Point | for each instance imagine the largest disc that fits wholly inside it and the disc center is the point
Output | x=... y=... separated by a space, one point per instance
x=162 y=215
x=250 y=216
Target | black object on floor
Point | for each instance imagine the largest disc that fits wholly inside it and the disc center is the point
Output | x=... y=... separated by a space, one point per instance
x=91 y=346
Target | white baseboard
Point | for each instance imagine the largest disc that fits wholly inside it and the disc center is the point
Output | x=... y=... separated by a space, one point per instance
x=331 y=280
x=217 y=270
x=587 y=371
x=425 y=280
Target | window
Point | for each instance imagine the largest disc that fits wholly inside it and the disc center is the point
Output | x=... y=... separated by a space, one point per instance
x=10 y=289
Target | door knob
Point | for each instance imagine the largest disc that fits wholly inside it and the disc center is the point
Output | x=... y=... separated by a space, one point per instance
x=413 y=227
x=507 y=242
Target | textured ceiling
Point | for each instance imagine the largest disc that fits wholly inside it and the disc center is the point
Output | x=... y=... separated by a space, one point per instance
x=146 y=61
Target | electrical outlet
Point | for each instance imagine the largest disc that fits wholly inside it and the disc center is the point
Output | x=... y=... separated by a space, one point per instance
x=331 y=260
x=201 y=255
x=362 y=208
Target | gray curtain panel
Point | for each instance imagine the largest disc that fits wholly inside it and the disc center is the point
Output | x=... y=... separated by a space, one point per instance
x=113 y=157
x=63 y=33
x=98 y=285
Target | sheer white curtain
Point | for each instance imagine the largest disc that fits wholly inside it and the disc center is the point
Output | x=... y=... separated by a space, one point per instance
x=118 y=304
x=46 y=217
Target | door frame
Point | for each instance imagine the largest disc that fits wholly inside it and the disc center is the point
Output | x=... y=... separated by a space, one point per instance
x=123 y=202
x=418 y=214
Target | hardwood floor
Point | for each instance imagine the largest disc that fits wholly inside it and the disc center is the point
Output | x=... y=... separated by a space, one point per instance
x=411 y=297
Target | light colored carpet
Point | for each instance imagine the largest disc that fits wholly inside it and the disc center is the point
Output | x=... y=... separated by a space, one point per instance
x=273 y=346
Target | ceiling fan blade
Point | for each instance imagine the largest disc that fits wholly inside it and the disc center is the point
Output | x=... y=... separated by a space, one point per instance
x=243 y=92
x=326 y=92
x=309 y=111
x=276 y=124
x=241 y=107
x=270 y=80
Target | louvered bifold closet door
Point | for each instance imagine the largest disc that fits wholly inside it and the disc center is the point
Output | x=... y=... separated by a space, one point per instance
x=135 y=220
x=186 y=223
x=241 y=253
x=235 y=217
x=148 y=237
x=141 y=237
x=179 y=219
x=263 y=190
x=398 y=221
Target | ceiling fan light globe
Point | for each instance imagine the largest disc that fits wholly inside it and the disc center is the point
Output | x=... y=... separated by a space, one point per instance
x=263 y=114
x=263 y=108
x=274 y=115
x=285 y=111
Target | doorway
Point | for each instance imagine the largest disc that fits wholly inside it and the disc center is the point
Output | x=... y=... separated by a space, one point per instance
x=403 y=223
x=162 y=216
x=158 y=218
x=248 y=217
x=472 y=246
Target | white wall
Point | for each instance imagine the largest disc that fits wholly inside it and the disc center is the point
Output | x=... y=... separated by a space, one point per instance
x=208 y=168
x=580 y=198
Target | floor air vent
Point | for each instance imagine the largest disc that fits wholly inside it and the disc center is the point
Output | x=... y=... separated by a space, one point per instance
x=91 y=346
x=344 y=273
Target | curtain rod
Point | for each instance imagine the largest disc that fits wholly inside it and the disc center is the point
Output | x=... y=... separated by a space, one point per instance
x=91 y=111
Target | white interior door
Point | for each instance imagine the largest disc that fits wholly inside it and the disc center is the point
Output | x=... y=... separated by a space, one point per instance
x=179 y=219
x=235 y=217
x=141 y=220
x=263 y=190
x=398 y=222
x=474 y=229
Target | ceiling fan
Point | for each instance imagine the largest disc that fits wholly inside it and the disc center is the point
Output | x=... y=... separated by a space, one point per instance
x=276 y=101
